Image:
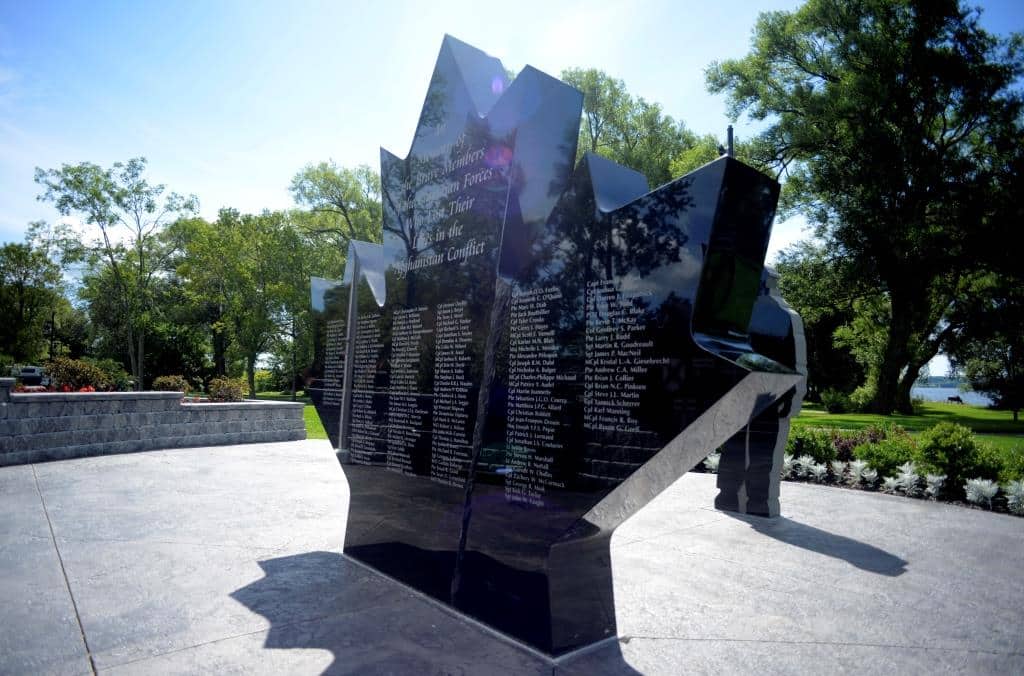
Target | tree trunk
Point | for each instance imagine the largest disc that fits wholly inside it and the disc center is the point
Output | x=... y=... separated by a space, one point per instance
x=250 y=373
x=903 y=399
x=133 y=360
x=53 y=333
x=893 y=359
x=293 y=359
x=141 y=357
x=219 y=349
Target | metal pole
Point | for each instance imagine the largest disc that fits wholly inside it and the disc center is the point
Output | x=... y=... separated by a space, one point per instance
x=730 y=150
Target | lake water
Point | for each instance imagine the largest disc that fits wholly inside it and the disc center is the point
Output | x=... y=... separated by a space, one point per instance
x=943 y=393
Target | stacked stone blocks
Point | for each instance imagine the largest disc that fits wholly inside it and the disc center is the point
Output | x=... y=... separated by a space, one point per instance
x=56 y=426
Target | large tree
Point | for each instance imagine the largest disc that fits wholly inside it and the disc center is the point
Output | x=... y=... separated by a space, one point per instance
x=30 y=297
x=628 y=130
x=988 y=345
x=895 y=122
x=245 y=266
x=709 y=147
x=120 y=225
x=825 y=292
x=344 y=203
x=176 y=342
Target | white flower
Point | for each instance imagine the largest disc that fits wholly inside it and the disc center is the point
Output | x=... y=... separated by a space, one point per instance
x=711 y=462
x=787 y=466
x=857 y=468
x=981 y=491
x=1015 y=496
x=934 y=482
x=803 y=465
x=908 y=480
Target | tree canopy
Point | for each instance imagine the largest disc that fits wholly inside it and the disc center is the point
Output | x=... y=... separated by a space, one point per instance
x=988 y=345
x=895 y=123
x=30 y=297
x=824 y=292
x=345 y=202
x=628 y=130
x=251 y=271
x=121 y=220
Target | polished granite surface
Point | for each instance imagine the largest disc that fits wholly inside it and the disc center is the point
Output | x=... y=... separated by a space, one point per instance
x=538 y=348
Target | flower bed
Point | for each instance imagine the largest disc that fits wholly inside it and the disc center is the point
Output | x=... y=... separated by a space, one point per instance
x=945 y=463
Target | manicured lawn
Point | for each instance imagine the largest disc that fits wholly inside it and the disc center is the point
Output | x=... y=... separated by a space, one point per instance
x=1003 y=442
x=277 y=396
x=314 y=430
x=982 y=420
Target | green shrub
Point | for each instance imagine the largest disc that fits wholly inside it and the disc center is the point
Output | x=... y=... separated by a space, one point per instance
x=844 y=441
x=172 y=384
x=226 y=389
x=117 y=378
x=265 y=380
x=861 y=397
x=989 y=463
x=76 y=374
x=811 y=441
x=875 y=433
x=886 y=455
x=948 y=438
x=835 y=401
x=952 y=450
x=1012 y=464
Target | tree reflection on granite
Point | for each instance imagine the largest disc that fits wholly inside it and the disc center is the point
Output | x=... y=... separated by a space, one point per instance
x=536 y=351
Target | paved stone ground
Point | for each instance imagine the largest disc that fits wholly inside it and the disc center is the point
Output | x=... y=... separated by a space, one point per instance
x=227 y=560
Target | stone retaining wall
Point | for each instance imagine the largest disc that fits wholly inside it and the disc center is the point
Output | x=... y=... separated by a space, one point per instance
x=55 y=426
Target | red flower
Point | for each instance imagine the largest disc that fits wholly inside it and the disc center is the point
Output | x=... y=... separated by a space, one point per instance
x=65 y=388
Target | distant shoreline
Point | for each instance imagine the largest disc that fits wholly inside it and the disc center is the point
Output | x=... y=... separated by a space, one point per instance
x=939 y=381
x=931 y=393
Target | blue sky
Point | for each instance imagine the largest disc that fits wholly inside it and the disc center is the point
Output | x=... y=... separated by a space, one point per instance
x=228 y=100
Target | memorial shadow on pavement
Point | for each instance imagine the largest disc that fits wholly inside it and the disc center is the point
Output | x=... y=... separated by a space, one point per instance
x=860 y=554
x=371 y=624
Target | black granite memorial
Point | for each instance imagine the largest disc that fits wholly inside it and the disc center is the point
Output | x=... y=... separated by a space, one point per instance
x=325 y=386
x=331 y=382
x=538 y=349
x=749 y=468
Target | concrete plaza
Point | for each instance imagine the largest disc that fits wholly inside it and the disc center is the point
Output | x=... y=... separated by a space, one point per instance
x=228 y=560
